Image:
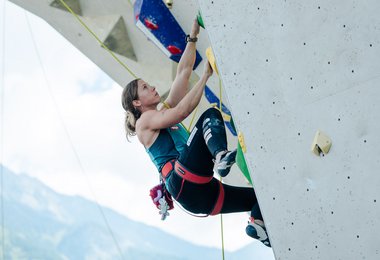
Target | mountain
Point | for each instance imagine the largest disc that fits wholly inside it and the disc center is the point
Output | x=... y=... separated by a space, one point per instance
x=42 y=224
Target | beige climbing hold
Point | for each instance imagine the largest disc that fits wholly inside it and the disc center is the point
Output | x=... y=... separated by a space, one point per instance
x=321 y=144
x=169 y=3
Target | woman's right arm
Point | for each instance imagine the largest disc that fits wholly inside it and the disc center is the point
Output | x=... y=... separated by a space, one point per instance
x=168 y=117
x=180 y=84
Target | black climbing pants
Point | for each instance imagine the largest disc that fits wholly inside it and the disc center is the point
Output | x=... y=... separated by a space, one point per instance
x=207 y=138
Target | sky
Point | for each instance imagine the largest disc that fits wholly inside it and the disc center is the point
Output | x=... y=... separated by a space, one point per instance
x=64 y=125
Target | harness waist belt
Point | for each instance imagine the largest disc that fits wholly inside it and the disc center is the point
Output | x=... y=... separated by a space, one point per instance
x=183 y=172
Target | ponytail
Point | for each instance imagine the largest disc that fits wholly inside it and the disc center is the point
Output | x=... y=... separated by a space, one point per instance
x=132 y=114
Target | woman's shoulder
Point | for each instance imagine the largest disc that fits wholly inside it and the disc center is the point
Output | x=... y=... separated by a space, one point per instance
x=146 y=117
x=142 y=124
x=145 y=135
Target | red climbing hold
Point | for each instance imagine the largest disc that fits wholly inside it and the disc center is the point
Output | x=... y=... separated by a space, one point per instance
x=149 y=24
x=174 y=50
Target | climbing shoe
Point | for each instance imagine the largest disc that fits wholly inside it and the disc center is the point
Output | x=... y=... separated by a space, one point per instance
x=256 y=229
x=224 y=162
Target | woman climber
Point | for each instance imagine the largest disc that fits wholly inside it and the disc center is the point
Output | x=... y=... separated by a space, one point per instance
x=186 y=162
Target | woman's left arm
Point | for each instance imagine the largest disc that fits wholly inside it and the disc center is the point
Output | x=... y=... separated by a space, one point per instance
x=180 y=84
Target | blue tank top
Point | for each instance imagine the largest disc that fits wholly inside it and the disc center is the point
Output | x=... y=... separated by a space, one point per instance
x=169 y=145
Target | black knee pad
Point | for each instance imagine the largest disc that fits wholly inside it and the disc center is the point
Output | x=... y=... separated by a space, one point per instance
x=214 y=132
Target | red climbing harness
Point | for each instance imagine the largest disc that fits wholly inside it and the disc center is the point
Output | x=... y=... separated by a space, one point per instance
x=187 y=175
x=183 y=173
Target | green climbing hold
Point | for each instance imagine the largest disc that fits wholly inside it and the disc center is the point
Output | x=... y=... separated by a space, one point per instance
x=200 y=20
x=241 y=163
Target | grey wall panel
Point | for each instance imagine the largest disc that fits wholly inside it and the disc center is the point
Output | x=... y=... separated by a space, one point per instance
x=291 y=68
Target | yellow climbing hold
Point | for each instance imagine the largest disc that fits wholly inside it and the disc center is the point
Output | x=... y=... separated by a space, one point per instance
x=211 y=59
x=241 y=142
x=226 y=117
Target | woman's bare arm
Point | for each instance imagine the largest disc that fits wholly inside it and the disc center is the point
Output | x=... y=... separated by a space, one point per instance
x=180 y=84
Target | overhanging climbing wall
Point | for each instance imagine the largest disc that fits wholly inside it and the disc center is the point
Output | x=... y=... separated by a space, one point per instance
x=291 y=68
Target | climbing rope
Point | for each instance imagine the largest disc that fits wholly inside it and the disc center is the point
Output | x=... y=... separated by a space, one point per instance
x=193 y=118
x=2 y=139
x=50 y=91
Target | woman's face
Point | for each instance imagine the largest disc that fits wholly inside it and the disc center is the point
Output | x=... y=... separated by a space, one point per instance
x=147 y=94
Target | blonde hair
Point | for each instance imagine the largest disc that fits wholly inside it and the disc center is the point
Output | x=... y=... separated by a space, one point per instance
x=132 y=114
